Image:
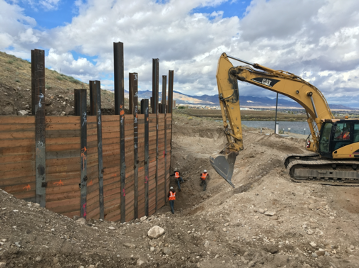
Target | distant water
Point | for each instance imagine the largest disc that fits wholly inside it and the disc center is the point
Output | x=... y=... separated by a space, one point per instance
x=295 y=127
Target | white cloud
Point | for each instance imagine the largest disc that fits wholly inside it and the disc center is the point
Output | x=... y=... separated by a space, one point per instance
x=28 y=36
x=64 y=62
x=303 y=37
x=314 y=39
x=5 y=40
x=148 y=30
x=49 y=4
x=15 y=28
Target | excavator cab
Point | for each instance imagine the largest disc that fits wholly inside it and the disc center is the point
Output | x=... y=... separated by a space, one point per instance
x=336 y=134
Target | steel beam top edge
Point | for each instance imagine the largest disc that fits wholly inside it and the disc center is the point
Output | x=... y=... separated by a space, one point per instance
x=164 y=95
x=170 y=90
x=118 y=76
x=155 y=85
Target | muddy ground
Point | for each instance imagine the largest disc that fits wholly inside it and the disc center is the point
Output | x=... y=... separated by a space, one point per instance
x=266 y=221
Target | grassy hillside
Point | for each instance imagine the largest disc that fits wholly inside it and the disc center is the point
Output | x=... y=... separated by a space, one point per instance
x=15 y=89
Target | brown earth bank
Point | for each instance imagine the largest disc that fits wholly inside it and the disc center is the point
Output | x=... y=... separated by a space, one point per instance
x=266 y=221
x=15 y=89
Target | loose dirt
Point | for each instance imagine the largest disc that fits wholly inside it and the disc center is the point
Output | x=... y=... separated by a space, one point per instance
x=266 y=221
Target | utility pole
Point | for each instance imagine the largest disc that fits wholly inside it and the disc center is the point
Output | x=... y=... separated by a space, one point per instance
x=275 y=122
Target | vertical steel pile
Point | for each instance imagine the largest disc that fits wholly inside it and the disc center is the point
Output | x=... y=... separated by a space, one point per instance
x=164 y=110
x=120 y=110
x=95 y=107
x=155 y=86
x=145 y=111
x=38 y=109
x=170 y=99
x=134 y=110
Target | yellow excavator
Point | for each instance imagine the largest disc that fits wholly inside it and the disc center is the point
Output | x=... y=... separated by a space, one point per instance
x=334 y=143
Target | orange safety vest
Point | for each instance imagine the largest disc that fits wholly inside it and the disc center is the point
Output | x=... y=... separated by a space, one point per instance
x=344 y=136
x=177 y=175
x=172 y=196
x=204 y=176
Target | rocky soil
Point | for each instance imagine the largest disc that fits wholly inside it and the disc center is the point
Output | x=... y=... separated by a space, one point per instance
x=266 y=221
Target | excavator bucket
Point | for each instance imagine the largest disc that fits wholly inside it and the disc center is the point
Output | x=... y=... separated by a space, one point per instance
x=224 y=165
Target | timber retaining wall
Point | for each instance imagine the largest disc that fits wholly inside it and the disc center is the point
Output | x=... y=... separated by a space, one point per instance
x=65 y=158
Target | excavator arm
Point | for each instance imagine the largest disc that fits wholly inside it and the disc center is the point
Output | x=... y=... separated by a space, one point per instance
x=290 y=85
x=229 y=101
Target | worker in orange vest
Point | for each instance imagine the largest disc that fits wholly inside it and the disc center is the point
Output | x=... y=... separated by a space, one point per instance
x=204 y=177
x=172 y=198
x=178 y=178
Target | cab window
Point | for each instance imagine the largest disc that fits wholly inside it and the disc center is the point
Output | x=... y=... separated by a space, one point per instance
x=325 y=138
x=342 y=135
x=356 y=133
x=342 y=132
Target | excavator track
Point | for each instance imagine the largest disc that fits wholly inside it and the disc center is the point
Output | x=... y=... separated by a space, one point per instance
x=304 y=157
x=313 y=169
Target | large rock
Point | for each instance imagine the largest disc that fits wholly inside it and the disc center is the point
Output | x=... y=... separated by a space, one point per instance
x=269 y=213
x=8 y=109
x=48 y=101
x=273 y=249
x=167 y=250
x=140 y=262
x=155 y=232
x=129 y=245
x=81 y=221
x=22 y=112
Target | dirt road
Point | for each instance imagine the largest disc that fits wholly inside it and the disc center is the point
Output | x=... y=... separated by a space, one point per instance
x=266 y=221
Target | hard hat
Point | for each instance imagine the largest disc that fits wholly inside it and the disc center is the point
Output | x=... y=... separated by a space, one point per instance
x=171 y=188
x=205 y=171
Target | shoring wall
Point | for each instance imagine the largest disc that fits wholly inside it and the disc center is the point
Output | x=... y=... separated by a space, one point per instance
x=63 y=164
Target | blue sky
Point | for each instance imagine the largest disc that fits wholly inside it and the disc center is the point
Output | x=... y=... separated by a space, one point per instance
x=315 y=39
x=229 y=8
x=52 y=16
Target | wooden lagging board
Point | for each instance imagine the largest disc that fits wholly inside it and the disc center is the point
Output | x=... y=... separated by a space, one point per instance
x=93 y=205
x=63 y=153
x=152 y=165
x=129 y=173
x=17 y=156
x=111 y=160
x=161 y=162
x=141 y=166
x=168 y=138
